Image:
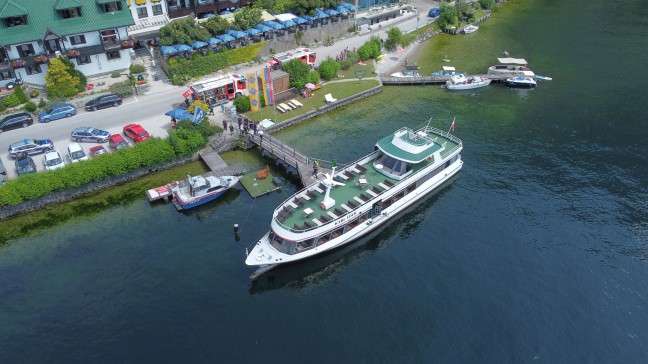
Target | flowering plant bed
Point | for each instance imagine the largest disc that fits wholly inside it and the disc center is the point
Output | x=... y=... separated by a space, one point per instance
x=18 y=63
x=127 y=44
x=41 y=59
x=73 y=53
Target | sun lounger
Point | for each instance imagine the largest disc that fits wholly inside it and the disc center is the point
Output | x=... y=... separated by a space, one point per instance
x=297 y=103
x=383 y=185
x=344 y=206
x=280 y=108
x=288 y=108
x=372 y=193
x=329 y=98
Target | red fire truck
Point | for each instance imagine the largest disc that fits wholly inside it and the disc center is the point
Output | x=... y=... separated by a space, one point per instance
x=304 y=55
x=225 y=87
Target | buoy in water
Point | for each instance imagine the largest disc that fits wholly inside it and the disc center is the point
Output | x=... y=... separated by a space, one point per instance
x=237 y=232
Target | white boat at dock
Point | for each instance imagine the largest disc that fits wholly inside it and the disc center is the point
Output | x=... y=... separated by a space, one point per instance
x=360 y=197
x=469 y=29
x=408 y=71
x=511 y=67
x=525 y=82
x=461 y=82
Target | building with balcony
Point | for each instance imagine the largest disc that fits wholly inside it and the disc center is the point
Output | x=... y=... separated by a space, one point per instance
x=91 y=33
x=149 y=16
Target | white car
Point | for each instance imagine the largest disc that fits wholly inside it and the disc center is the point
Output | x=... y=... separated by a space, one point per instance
x=76 y=153
x=52 y=160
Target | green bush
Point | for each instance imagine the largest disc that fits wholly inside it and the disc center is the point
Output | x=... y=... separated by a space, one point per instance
x=298 y=72
x=242 y=104
x=204 y=127
x=186 y=142
x=136 y=68
x=181 y=70
x=328 y=69
x=11 y=101
x=2 y=107
x=30 y=106
x=33 y=93
x=42 y=103
x=369 y=50
x=312 y=77
x=123 y=89
x=487 y=4
x=115 y=74
x=20 y=94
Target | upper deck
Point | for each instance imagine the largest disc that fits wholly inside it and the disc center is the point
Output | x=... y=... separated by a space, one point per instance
x=365 y=179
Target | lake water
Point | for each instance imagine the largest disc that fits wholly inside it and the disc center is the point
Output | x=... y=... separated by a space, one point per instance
x=537 y=251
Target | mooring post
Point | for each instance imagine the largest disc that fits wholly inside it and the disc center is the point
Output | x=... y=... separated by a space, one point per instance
x=237 y=232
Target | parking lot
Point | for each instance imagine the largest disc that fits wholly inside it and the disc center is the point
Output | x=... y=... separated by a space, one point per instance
x=59 y=132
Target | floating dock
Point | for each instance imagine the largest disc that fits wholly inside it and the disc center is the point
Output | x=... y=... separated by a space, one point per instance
x=257 y=187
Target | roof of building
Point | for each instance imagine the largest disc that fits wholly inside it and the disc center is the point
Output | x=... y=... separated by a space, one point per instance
x=43 y=14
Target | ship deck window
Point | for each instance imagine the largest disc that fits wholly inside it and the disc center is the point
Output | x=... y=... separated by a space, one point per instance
x=394 y=166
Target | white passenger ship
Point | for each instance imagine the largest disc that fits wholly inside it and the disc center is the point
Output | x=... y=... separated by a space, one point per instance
x=359 y=198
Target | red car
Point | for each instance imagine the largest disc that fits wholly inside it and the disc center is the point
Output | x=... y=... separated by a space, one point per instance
x=136 y=132
x=98 y=150
x=117 y=142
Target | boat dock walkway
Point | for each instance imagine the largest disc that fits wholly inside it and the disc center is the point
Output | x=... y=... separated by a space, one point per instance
x=430 y=80
x=214 y=162
x=294 y=158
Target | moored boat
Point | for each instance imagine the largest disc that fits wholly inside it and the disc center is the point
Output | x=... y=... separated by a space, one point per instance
x=520 y=81
x=198 y=190
x=461 y=82
x=359 y=197
x=511 y=67
x=470 y=29
x=408 y=71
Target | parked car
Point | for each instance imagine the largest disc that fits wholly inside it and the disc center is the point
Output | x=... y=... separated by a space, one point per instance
x=76 y=153
x=19 y=120
x=118 y=142
x=24 y=164
x=30 y=146
x=90 y=134
x=52 y=160
x=3 y=173
x=98 y=150
x=136 y=132
x=434 y=12
x=10 y=82
x=103 y=102
x=57 y=112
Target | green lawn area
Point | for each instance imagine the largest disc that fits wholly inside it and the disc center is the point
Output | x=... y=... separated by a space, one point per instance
x=338 y=90
x=350 y=73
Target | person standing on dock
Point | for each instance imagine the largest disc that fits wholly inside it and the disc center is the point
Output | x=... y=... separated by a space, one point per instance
x=224 y=124
x=315 y=165
x=261 y=135
x=231 y=129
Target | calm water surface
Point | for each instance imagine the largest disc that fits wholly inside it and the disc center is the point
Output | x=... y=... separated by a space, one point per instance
x=537 y=251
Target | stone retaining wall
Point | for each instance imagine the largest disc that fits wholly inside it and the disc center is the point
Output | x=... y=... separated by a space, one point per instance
x=67 y=195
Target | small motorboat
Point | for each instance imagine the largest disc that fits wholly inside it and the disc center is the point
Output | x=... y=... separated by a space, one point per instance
x=197 y=190
x=470 y=29
x=461 y=82
x=521 y=81
x=408 y=71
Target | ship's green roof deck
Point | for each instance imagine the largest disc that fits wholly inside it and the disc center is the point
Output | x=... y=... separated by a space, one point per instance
x=292 y=216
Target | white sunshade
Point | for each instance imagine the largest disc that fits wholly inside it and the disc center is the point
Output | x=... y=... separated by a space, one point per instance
x=285 y=16
x=448 y=68
x=520 y=61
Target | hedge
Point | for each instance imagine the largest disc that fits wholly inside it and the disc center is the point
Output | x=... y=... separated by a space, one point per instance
x=181 y=70
x=187 y=140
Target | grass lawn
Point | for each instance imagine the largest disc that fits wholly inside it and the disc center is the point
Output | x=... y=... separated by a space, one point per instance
x=338 y=90
x=350 y=73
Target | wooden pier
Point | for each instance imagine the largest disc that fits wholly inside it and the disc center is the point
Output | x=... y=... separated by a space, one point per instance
x=431 y=80
x=294 y=158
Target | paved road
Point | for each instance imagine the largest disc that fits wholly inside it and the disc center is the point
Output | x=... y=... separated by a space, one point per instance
x=148 y=110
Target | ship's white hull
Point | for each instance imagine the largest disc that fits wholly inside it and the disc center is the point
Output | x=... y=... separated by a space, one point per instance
x=267 y=257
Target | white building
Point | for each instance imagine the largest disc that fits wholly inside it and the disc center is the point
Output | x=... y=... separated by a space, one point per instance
x=150 y=16
x=91 y=33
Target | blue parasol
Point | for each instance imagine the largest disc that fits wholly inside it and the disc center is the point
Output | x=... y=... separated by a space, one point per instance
x=274 y=25
x=178 y=114
x=252 y=31
x=288 y=23
x=198 y=44
x=183 y=48
x=213 y=41
x=298 y=20
x=332 y=12
x=263 y=27
x=166 y=50
x=225 y=38
x=348 y=6
x=342 y=9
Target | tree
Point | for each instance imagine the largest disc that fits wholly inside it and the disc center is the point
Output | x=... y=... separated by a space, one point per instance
x=298 y=72
x=247 y=18
x=58 y=80
x=183 y=32
x=328 y=69
x=394 y=38
x=216 y=25
x=447 y=16
x=19 y=93
x=370 y=49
